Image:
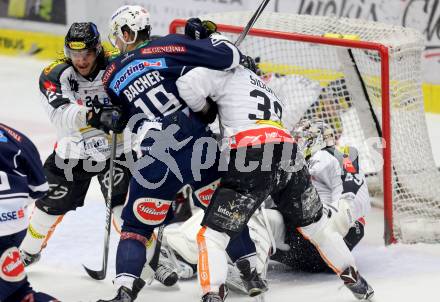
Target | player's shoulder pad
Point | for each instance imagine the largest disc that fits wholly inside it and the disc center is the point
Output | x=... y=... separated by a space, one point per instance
x=348 y=150
x=111 y=54
x=15 y=135
x=56 y=67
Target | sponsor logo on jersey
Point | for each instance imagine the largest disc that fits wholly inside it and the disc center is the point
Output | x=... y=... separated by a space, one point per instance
x=49 y=86
x=12 y=268
x=151 y=211
x=163 y=49
x=108 y=73
x=12 y=133
x=204 y=194
x=12 y=215
x=3 y=138
x=133 y=70
x=225 y=211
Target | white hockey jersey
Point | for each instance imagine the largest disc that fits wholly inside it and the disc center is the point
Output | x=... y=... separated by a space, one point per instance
x=245 y=102
x=298 y=92
x=335 y=174
x=67 y=96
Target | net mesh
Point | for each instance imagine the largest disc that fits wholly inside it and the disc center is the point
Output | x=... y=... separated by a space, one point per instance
x=284 y=64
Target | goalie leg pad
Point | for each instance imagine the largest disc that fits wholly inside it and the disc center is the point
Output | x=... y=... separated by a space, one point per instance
x=213 y=263
x=183 y=239
x=329 y=243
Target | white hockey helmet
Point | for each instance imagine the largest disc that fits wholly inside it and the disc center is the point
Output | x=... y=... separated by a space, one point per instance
x=135 y=17
x=314 y=135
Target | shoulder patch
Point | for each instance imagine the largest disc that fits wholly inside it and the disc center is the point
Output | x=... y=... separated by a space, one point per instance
x=54 y=64
x=3 y=138
x=12 y=133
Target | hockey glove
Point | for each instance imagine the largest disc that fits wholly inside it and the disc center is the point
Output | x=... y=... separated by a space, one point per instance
x=209 y=112
x=197 y=29
x=107 y=118
x=249 y=63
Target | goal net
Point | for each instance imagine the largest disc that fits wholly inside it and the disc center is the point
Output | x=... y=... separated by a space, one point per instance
x=370 y=94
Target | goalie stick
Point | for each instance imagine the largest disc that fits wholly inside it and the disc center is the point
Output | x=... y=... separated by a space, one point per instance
x=100 y=275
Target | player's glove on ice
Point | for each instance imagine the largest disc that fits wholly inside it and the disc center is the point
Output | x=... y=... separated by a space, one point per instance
x=107 y=118
x=197 y=29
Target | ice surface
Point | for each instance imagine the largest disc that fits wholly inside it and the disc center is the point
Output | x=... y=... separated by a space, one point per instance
x=397 y=273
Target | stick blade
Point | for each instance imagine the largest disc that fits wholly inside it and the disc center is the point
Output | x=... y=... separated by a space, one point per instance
x=97 y=275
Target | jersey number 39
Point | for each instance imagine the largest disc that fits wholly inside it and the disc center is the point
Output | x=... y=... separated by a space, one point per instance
x=266 y=106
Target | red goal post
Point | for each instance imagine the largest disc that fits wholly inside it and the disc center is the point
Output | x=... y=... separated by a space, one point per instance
x=348 y=40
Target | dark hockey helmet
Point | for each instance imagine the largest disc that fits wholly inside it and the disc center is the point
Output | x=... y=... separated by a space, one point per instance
x=82 y=36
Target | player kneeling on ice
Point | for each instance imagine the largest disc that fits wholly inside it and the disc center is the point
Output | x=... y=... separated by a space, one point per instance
x=342 y=188
x=262 y=163
x=74 y=97
x=21 y=180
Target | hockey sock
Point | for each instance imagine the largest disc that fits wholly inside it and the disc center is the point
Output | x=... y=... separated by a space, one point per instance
x=241 y=246
x=213 y=264
x=330 y=244
x=40 y=228
x=131 y=254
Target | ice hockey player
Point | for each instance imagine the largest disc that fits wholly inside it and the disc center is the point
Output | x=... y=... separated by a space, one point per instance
x=21 y=180
x=142 y=82
x=250 y=118
x=73 y=96
x=342 y=187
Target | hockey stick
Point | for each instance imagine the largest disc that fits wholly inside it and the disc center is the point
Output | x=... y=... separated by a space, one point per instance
x=251 y=22
x=100 y=275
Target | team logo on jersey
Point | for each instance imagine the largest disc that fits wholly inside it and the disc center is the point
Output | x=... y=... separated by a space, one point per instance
x=3 y=138
x=12 y=269
x=151 y=211
x=118 y=175
x=163 y=49
x=133 y=70
x=204 y=194
x=57 y=191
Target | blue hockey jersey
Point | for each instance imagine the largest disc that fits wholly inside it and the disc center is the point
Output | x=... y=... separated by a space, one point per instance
x=144 y=80
x=21 y=178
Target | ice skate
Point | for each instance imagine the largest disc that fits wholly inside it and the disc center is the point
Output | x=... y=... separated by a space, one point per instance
x=216 y=297
x=125 y=294
x=252 y=281
x=358 y=286
x=29 y=259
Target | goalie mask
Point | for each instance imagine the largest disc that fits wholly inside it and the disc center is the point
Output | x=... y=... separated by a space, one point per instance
x=132 y=17
x=313 y=136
